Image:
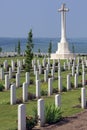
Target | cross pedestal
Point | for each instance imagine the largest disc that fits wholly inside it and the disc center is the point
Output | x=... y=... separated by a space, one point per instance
x=63 y=51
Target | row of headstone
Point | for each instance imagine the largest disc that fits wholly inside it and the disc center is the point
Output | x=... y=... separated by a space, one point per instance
x=1 y=74
x=7 y=81
x=13 y=93
x=19 y=64
x=40 y=111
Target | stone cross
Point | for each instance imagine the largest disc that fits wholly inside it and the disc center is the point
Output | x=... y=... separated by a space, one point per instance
x=63 y=11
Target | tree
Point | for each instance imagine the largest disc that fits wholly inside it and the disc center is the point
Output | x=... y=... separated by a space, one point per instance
x=0 y=49
x=73 y=48
x=15 y=48
x=19 y=48
x=29 y=52
x=39 y=51
x=50 y=48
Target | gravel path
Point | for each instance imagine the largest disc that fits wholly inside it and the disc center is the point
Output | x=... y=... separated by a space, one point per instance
x=76 y=122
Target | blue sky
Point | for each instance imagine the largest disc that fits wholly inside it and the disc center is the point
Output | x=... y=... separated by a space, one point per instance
x=17 y=17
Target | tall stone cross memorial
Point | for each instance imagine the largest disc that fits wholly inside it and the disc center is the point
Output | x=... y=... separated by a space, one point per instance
x=63 y=51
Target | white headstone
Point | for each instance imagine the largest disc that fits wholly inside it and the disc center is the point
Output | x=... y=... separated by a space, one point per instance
x=27 y=78
x=52 y=73
x=77 y=70
x=38 y=62
x=48 y=68
x=38 y=89
x=45 y=75
x=60 y=84
x=17 y=80
x=35 y=69
x=68 y=82
x=83 y=78
x=18 y=70
x=58 y=100
x=25 y=92
x=64 y=66
x=1 y=73
x=69 y=65
x=73 y=70
x=37 y=75
x=44 y=62
x=49 y=61
x=21 y=117
x=50 y=89
x=41 y=114
x=59 y=71
x=83 y=97
x=20 y=64
x=86 y=63
x=13 y=95
x=23 y=61
x=83 y=68
x=10 y=73
x=32 y=63
x=13 y=65
x=5 y=64
x=53 y=61
x=6 y=82
x=76 y=81
x=40 y=69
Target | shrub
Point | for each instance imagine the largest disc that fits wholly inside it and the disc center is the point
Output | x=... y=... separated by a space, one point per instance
x=64 y=89
x=55 y=90
x=23 y=66
x=19 y=100
x=31 y=81
x=80 y=73
x=31 y=96
x=72 y=85
x=56 y=69
x=56 y=63
x=31 y=121
x=79 y=85
x=13 y=76
x=43 y=93
x=8 y=67
x=1 y=87
x=49 y=76
x=53 y=114
x=62 y=69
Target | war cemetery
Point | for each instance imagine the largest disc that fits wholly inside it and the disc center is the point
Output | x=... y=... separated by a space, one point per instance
x=38 y=90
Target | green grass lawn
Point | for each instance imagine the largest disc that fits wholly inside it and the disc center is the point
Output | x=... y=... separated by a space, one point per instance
x=8 y=113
